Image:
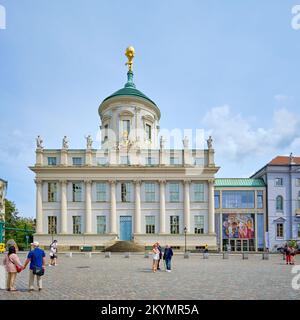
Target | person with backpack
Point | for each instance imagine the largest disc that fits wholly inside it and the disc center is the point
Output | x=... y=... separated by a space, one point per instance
x=13 y=266
x=37 y=259
x=168 y=253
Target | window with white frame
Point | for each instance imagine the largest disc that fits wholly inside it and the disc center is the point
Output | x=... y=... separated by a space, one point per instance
x=148 y=131
x=126 y=127
x=125 y=191
x=278 y=182
x=101 y=161
x=198 y=192
x=198 y=161
x=52 y=192
x=279 y=203
x=150 y=191
x=174 y=160
x=77 y=161
x=52 y=161
x=150 y=224
x=77 y=191
x=52 y=225
x=279 y=230
x=199 y=224
x=101 y=224
x=174 y=224
x=101 y=191
x=260 y=199
x=77 y=225
x=297 y=182
x=174 y=192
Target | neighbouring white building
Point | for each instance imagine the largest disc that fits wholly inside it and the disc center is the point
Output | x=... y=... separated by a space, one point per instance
x=132 y=188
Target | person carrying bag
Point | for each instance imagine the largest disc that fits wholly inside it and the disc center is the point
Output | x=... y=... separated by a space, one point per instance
x=13 y=266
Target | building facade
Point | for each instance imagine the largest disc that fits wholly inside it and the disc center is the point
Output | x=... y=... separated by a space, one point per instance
x=282 y=178
x=240 y=205
x=132 y=188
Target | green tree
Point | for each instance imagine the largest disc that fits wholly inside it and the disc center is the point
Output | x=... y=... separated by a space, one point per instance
x=12 y=220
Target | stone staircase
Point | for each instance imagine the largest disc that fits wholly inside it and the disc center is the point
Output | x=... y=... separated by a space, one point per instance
x=125 y=246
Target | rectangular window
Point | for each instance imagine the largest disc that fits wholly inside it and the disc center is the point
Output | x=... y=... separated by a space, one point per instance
x=105 y=132
x=174 y=160
x=150 y=191
x=279 y=230
x=174 y=192
x=101 y=224
x=238 y=199
x=150 y=224
x=125 y=160
x=148 y=131
x=260 y=199
x=297 y=182
x=199 y=161
x=125 y=191
x=199 y=192
x=278 y=182
x=52 y=225
x=298 y=230
x=102 y=161
x=126 y=126
x=199 y=224
x=174 y=224
x=77 y=192
x=101 y=191
x=52 y=192
x=76 y=224
x=77 y=161
x=217 y=199
x=52 y=161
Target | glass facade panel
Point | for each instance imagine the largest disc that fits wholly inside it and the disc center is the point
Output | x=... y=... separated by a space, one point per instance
x=260 y=200
x=238 y=199
x=217 y=199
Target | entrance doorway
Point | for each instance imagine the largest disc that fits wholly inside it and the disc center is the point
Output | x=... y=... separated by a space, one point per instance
x=239 y=245
x=125 y=228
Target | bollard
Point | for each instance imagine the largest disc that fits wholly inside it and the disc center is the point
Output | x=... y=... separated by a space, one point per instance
x=265 y=256
x=2 y=278
x=126 y=255
x=146 y=255
x=69 y=255
x=186 y=255
x=205 y=255
x=245 y=256
x=225 y=255
x=88 y=254
x=107 y=254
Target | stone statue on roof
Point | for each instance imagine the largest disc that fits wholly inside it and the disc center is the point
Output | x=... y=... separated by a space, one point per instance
x=209 y=142
x=39 y=142
x=65 y=143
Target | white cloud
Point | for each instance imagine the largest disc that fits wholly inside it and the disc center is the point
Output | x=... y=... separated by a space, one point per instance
x=235 y=137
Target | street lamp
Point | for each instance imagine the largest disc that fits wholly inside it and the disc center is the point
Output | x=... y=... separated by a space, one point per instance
x=185 y=230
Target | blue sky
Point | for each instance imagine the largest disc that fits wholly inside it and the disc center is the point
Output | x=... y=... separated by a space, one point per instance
x=230 y=67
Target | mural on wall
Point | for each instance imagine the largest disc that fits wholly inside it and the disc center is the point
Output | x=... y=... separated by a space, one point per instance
x=238 y=226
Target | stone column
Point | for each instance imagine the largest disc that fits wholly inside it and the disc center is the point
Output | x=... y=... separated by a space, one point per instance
x=162 y=215
x=64 y=157
x=211 y=207
x=64 y=210
x=187 y=222
x=88 y=206
x=39 y=157
x=39 y=206
x=137 y=218
x=113 y=207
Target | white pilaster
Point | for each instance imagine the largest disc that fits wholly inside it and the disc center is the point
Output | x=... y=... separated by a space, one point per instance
x=137 y=218
x=88 y=206
x=187 y=223
x=162 y=216
x=211 y=207
x=64 y=210
x=39 y=206
x=113 y=207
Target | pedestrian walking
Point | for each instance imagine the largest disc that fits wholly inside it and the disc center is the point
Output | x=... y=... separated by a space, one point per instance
x=13 y=266
x=206 y=250
x=293 y=253
x=160 y=255
x=53 y=253
x=155 y=257
x=37 y=259
x=168 y=253
x=287 y=251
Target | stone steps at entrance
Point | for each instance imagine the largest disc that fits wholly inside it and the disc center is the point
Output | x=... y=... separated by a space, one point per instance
x=125 y=246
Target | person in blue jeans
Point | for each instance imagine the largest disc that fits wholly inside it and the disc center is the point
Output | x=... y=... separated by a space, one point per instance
x=37 y=258
x=168 y=253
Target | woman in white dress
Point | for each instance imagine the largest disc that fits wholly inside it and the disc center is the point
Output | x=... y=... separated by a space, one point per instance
x=155 y=257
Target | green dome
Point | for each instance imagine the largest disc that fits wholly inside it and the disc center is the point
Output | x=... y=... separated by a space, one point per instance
x=129 y=90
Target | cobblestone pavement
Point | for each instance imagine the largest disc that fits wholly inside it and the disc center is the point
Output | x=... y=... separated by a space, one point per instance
x=81 y=277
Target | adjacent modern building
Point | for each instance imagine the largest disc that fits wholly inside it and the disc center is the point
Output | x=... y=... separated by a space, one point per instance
x=132 y=188
x=282 y=178
x=240 y=205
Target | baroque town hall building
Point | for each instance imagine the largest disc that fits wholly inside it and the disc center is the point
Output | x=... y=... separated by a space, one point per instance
x=132 y=188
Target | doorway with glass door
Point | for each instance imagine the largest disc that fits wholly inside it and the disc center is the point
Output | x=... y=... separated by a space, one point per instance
x=125 y=228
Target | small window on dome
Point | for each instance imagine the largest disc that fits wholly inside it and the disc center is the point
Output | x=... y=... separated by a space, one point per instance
x=148 y=131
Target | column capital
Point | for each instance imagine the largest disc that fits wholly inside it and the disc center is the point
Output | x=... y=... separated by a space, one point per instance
x=162 y=181
x=211 y=180
x=137 y=181
x=113 y=182
x=38 y=181
x=187 y=181
x=88 y=181
x=63 y=181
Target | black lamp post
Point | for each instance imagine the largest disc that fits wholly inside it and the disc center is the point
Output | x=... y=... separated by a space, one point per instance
x=185 y=230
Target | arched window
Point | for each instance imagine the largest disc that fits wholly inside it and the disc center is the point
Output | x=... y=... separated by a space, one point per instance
x=279 y=203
